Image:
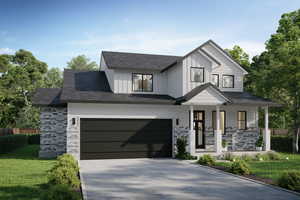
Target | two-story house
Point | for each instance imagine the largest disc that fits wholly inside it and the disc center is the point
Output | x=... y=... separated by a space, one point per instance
x=136 y=105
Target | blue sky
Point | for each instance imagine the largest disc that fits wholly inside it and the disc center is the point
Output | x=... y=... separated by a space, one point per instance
x=57 y=30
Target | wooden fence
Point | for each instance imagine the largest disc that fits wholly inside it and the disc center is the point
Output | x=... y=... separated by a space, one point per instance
x=12 y=131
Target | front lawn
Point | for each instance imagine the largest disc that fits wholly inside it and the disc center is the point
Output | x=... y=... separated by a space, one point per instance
x=22 y=174
x=273 y=169
x=268 y=170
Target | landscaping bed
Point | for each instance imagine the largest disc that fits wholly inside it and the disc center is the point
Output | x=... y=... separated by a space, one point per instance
x=276 y=169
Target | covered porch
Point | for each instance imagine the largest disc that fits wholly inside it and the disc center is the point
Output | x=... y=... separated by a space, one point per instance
x=231 y=118
x=212 y=125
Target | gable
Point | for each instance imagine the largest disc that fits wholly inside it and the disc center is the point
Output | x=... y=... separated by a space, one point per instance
x=226 y=61
x=208 y=96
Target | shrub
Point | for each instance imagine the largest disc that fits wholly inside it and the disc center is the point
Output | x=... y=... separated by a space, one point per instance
x=229 y=156
x=207 y=160
x=224 y=143
x=60 y=192
x=68 y=161
x=239 y=167
x=34 y=139
x=65 y=171
x=282 y=143
x=273 y=156
x=64 y=176
x=259 y=142
x=11 y=142
x=290 y=180
x=246 y=157
x=181 y=144
x=261 y=157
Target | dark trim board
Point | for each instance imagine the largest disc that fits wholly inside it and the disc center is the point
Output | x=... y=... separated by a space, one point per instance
x=125 y=138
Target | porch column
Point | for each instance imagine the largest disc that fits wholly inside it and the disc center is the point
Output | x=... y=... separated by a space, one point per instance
x=192 y=132
x=218 y=132
x=267 y=134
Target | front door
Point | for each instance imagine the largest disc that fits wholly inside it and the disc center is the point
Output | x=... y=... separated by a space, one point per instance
x=199 y=126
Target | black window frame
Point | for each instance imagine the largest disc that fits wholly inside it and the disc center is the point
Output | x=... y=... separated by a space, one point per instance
x=218 y=85
x=191 y=77
x=241 y=120
x=143 y=74
x=212 y=120
x=223 y=80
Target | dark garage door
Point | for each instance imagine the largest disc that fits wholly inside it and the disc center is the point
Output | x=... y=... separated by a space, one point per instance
x=125 y=138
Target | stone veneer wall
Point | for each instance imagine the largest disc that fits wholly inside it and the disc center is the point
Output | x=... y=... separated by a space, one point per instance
x=180 y=132
x=237 y=140
x=53 y=126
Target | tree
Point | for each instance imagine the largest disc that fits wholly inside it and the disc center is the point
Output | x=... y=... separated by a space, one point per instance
x=239 y=55
x=53 y=78
x=277 y=70
x=81 y=62
x=23 y=74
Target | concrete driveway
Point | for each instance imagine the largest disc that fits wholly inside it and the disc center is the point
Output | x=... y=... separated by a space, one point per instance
x=166 y=179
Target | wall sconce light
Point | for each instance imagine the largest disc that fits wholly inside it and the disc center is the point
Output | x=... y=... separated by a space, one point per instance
x=73 y=121
x=177 y=122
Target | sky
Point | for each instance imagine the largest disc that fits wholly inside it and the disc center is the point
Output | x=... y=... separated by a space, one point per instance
x=55 y=31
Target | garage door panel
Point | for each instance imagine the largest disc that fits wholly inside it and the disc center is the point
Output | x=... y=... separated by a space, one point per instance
x=122 y=147
x=125 y=125
x=125 y=138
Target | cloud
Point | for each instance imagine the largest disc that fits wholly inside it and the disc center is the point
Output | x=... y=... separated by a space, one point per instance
x=252 y=48
x=7 y=51
x=149 y=42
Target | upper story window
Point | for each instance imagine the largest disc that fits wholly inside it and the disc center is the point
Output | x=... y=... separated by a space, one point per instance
x=228 y=81
x=197 y=74
x=215 y=79
x=142 y=82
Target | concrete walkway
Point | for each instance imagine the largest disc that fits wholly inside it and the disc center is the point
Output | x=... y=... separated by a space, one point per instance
x=166 y=179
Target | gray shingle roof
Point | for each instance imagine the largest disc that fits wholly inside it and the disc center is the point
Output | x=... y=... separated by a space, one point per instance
x=121 y=60
x=93 y=87
x=245 y=98
x=48 y=97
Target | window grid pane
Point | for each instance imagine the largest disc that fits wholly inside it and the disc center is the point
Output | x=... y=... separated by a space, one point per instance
x=142 y=82
x=215 y=79
x=242 y=120
x=197 y=74
x=228 y=81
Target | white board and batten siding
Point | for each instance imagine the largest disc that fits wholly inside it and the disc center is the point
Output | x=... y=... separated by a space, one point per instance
x=206 y=97
x=175 y=80
x=195 y=60
x=122 y=81
x=227 y=67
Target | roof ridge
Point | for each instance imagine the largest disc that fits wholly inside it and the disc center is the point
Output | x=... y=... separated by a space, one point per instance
x=150 y=54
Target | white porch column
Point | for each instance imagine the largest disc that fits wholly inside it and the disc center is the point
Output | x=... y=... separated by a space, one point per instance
x=192 y=132
x=218 y=132
x=267 y=134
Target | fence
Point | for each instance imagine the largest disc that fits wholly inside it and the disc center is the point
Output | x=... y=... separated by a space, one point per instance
x=13 y=131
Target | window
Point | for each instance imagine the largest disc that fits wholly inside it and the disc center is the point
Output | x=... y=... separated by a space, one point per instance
x=228 y=81
x=142 y=82
x=222 y=121
x=242 y=120
x=197 y=74
x=215 y=79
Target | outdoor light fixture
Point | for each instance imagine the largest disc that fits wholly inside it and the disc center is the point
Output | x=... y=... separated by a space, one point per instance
x=73 y=121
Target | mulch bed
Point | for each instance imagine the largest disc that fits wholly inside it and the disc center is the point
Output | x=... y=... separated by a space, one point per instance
x=251 y=176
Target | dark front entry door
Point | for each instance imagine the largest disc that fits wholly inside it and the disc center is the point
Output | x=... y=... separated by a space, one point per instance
x=199 y=126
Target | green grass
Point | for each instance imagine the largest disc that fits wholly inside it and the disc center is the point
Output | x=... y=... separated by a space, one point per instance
x=274 y=169
x=22 y=174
